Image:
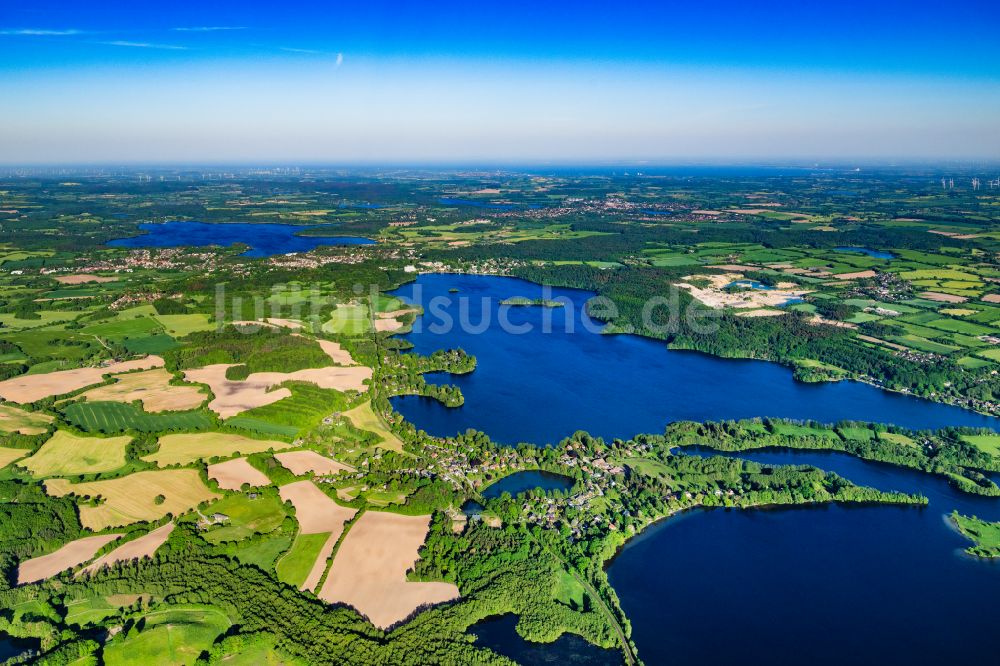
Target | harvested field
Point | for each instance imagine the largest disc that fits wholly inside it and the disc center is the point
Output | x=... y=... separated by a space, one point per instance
x=369 y=571
x=285 y=323
x=337 y=354
x=65 y=453
x=991 y=298
x=72 y=554
x=857 y=275
x=388 y=325
x=314 y=510
x=234 y=397
x=942 y=298
x=232 y=474
x=136 y=549
x=82 y=278
x=301 y=462
x=7 y=456
x=153 y=388
x=31 y=388
x=133 y=498
x=184 y=448
x=13 y=419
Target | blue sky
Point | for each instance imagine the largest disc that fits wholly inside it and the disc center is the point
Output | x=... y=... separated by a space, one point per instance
x=498 y=82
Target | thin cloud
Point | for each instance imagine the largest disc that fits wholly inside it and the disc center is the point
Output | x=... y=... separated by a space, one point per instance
x=145 y=45
x=210 y=28
x=41 y=32
x=340 y=60
x=290 y=49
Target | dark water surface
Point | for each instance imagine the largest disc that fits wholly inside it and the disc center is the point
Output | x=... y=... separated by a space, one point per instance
x=264 y=239
x=536 y=386
x=520 y=482
x=817 y=585
x=876 y=254
x=499 y=634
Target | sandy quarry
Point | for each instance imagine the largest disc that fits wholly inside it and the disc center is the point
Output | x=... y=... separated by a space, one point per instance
x=301 y=462
x=72 y=554
x=234 y=397
x=715 y=295
x=136 y=549
x=369 y=572
x=153 y=388
x=81 y=278
x=232 y=474
x=314 y=510
x=30 y=388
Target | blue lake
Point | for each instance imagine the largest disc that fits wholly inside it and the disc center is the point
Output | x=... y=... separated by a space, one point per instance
x=521 y=482
x=264 y=239
x=537 y=386
x=831 y=584
x=876 y=254
x=750 y=284
x=499 y=634
x=448 y=201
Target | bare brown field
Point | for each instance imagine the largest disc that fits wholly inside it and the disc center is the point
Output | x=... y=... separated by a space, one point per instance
x=942 y=298
x=132 y=499
x=386 y=321
x=136 y=549
x=65 y=453
x=7 y=456
x=337 y=354
x=153 y=388
x=13 y=419
x=369 y=571
x=72 y=554
x=857 y=275
x=81 y=278
x=301 y=462
x=31 y=388
x=388 y=325
x=232 y=474
x=314 y=510
x=234 y=397
x=184 y=448
x=991 y=298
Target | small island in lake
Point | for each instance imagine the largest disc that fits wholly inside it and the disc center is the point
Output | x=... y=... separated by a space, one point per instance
x=984 y=535
x=539 y=302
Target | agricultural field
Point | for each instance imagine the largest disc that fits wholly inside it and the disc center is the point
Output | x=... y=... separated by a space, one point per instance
x=246 y=516
x=17 y=420
x=175 y=634
x=138 y=497
x=110 y=417
x=152 y=388
x=184 y=448
x=66 y=454
x=369 y=570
